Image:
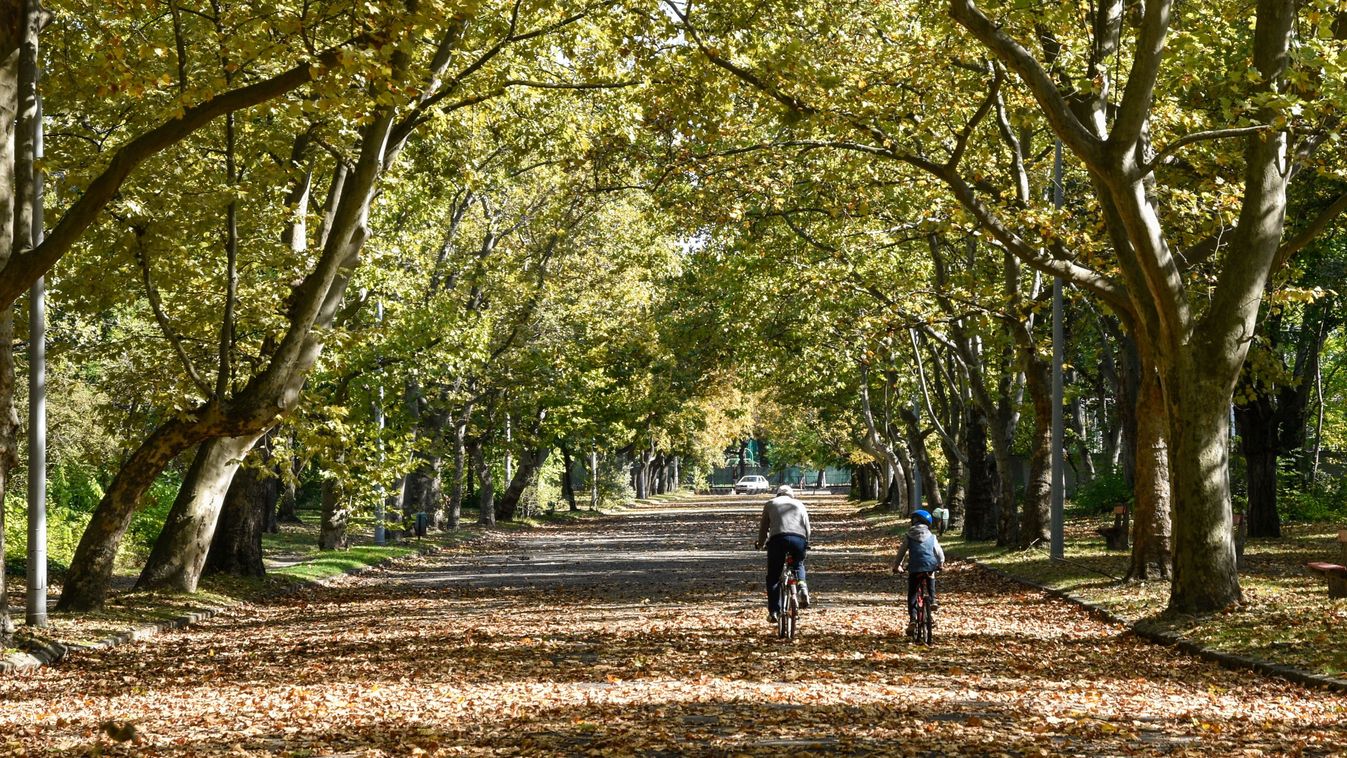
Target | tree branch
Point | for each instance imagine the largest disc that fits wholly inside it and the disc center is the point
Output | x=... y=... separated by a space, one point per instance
x=1018 y=59
x=160 y=317
x=1135 y=108
x=1309 y=233
x=1188 y=139
x=20 y=271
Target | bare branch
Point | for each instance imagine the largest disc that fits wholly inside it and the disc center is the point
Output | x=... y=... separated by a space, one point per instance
x=19 y=272
x=160 y=317
x=1309 y=233
x=1188 y=139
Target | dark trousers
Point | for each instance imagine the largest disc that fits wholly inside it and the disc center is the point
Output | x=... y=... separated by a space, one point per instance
x=913 y=582
x=778 y=548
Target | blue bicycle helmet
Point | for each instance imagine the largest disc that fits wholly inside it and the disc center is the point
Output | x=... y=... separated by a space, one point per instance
x=922 y=515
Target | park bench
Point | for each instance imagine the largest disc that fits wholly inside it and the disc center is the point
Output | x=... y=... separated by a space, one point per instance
x=1115 y=537
x=1335 y=574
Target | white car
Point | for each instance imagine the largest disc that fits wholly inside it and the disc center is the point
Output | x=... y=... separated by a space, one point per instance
x=751 y=484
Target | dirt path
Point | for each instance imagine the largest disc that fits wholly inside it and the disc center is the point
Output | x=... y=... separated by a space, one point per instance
x=646 y=633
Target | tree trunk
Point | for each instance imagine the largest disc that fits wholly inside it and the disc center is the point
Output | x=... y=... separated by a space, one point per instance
x=287 y=511
x=1036 y=512
x=336 y=516
x=1150 y=509
x=956 y=496
x=900 y=496
x=237 y=547
x=529 y=463
x=1129 y=404
x=86 y=583
x=9 y=443
x=593 y=479
x=9 y=415
x=486 y=492
x=916 y=445
x=984 y=481
x=1256 y=419
x=1205 y=575
x=179 y=553
x=567 y=481
x=270 y=524
x=1007 y=524
x=457 y=473
x=1084 y=465
x=1293 y=401
x=423 y=491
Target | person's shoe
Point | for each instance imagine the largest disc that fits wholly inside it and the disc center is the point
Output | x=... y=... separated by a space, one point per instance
x=773 y=616
x=911 y=629
x=804 y=595
x=934 y=606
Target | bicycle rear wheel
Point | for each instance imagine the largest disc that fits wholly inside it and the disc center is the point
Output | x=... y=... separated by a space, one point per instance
x=927 y=620
x=783 y=623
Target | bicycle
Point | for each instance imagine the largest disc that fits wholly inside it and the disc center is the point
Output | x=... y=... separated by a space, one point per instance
x=919 y=628
x=788 y=600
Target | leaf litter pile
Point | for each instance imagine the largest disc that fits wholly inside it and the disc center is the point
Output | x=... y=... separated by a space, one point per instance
x=646 y=633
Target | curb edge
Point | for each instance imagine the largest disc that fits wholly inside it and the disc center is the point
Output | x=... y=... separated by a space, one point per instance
x=1176 y=640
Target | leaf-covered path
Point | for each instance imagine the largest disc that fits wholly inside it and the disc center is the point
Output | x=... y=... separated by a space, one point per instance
x=646 y=633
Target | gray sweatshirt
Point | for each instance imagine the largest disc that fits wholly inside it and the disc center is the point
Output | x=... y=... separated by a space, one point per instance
x=783 y=515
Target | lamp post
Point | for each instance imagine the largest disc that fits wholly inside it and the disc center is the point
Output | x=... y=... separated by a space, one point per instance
x=36 y=605
x=1057 y=547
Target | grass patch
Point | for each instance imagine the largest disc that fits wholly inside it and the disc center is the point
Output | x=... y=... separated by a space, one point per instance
x=327 y=564
x=1286 y=617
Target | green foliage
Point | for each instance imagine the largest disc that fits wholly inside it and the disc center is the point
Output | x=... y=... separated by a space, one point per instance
x=614 y=484
x=149 y=520
x=64 y=526
x=544 y=487
x=1325 y=500
x=1101 y=493
x=74 y=487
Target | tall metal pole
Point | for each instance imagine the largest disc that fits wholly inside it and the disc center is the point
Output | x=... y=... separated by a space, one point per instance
x=1058 y=546
x=37 y=410
x=379 y=537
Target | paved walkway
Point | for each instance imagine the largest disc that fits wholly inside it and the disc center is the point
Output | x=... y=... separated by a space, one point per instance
x=646 y=633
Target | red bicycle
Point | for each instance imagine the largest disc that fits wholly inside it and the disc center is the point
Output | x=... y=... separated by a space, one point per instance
x=919 y=628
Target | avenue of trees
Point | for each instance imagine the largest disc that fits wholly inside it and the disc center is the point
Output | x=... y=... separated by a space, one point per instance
x=439 y=255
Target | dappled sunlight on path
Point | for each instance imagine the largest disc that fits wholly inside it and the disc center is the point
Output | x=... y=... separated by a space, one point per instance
x=647 y=632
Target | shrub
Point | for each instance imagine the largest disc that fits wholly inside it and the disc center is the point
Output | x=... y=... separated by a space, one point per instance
x=1325 y=500
x=64 y=528
x=614 y=484
x=1102 y=493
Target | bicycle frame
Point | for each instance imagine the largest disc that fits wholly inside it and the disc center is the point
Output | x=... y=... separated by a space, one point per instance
x=788 y=594
x=921 y=618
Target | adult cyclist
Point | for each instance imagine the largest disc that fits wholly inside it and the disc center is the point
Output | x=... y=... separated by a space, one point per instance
x=924 y=558
x=784 y=530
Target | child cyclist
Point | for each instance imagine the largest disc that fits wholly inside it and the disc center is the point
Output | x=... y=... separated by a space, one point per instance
x=924 y=558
